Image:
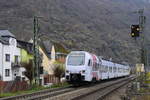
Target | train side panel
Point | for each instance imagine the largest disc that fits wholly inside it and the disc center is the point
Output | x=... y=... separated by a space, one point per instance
x=82 y=66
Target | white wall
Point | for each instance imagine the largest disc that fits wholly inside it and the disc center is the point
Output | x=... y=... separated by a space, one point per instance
x=1 y=59
x=18 y=71
x=13 y=51
x=7 y=65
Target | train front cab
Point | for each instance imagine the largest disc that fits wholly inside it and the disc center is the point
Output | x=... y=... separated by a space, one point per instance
x=75 y=78
x=76 y=68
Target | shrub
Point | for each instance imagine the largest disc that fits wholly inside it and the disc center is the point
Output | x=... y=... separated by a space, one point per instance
x=58 y=70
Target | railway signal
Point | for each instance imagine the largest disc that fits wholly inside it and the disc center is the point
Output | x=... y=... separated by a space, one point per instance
x=135 y=31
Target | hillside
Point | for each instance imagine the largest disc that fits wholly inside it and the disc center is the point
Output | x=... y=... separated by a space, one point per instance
x=98 y=26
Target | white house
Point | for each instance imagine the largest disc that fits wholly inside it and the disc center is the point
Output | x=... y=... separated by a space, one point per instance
x=9 y=58
x=1 y=59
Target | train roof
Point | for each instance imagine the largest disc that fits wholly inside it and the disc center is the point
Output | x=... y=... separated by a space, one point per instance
x=78 y=52
x=109 y=63
x=104 y=62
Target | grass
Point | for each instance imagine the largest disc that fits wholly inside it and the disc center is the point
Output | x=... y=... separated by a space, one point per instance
x=145 y=97
x=148 y=77
x=33 y=89
x=143 y=89
x=59 y=85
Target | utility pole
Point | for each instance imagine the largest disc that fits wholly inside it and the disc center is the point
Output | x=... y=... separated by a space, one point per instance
x=36 y=75
x=142 y=21
x=37 y=58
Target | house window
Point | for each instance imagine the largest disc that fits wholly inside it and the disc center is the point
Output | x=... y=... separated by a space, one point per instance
x=16 y=59
x=8 y=57
x=23 y=73
x=0 y=77
x=7 y=72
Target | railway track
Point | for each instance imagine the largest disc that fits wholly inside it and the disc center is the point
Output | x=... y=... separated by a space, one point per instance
x=101 y=92
x=94 y=92
x=40 y=94
x=88 y=92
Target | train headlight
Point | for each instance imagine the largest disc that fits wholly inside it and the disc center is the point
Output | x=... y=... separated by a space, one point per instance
x=67 y=71
x=83 y=71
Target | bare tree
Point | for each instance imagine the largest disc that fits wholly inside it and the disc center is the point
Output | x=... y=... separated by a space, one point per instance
x=29 y=70
x=58 y=70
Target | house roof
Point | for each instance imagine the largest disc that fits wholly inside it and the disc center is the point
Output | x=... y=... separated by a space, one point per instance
x=25 y=45
x=6 y=33
x=4 y=36
x=46 y=47
x=60 y=48
x=3 y=41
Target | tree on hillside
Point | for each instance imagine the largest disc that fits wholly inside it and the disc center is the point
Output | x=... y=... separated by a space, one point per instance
x=143 y=59
x=58 y=70
x=29 y=70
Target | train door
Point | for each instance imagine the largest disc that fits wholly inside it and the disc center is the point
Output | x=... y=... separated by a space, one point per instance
x=115 y=71
x=110 y=72
x=104 y=72
x=95 y=73
x=89 y=70
x=99 y=71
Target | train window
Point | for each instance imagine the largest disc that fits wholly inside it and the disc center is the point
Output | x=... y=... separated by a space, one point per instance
x=106 y=69
x=97 y=66
x=124 y=70
x=76 y=60
x=114 y=69
x=89 y=63
x=110 y=69
x=100 y=68
x=103 y=68
x=120 y=70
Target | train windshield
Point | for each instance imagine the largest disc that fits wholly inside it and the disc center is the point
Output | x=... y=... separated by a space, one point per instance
x=76 y=60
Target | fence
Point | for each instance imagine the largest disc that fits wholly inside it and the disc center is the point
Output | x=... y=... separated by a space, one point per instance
x=50 y=79
x=13 y=86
